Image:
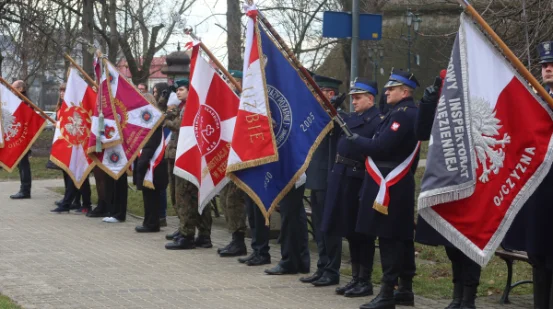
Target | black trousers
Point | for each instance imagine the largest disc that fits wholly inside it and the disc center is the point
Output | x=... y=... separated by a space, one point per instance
x=72 y=194
x=24 y=167
x=464 y=269
x=101 y=177
x=543 y=282
x=151 y=207
x=361 y=249
x=260 y=232
x=398 y=260
x=329 y=247
x=116 y=197
x=293 y=232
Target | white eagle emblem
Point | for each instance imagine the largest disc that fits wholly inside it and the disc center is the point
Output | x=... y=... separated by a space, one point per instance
x=9 y=125
x=485 y=126
x=75 y=125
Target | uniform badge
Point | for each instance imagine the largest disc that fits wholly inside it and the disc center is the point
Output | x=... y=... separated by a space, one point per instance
x=547 y=48
x=395 y=126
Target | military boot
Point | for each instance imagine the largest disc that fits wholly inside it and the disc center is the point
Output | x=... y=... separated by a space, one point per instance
x=203 y=242
x=181 y=243
x=341 y=290
x=364 y=286
x=237 y=247
x=173 y=235
x=457 y=296
x=384 y=299
x=404 y=295
x=469 y=295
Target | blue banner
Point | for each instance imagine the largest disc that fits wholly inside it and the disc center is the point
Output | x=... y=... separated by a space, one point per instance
x=299 y=124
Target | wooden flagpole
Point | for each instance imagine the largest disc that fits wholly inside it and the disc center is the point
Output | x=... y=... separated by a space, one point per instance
x=329 y=108
x=215 y=60
x=24 y=98
x=507 y=52
x=78 y=67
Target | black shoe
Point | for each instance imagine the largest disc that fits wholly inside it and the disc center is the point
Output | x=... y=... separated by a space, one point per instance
x=59 y=210
x=314 y=277
x=404 y=295
x=144 y=229
x=173 y=235
x=279 y=270
x=469 y=295
x=361 y=289
x=384 y=299
x=247 y=258
x=225 y=248
x=342 y=289
x=74 y=206
x=237 y=247
x=163 y=222
x=457 y=296
x=20 y=195
x=326 y=281
x=203 y=242
x=259 y=260
x=92 y=214
x=58 y=203
x=181 y=243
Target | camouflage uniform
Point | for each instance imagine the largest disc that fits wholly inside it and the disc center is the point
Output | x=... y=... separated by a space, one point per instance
x=172 y=122
x=232 y=201
x=187 y=199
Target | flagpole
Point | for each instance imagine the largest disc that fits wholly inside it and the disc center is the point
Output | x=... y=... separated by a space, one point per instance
x=214 y=59
x=24 y=98
x=78 y=67
x=330 y=109
x=507 y=52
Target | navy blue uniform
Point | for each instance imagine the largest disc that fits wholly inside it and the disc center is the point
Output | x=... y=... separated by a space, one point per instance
x=344 y=181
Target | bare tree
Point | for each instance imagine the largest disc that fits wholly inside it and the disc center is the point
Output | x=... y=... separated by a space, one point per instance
x=234 y=35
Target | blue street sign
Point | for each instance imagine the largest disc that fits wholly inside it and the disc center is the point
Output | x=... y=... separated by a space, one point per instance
x=338 y=25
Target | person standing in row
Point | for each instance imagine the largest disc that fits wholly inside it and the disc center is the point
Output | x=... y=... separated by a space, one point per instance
x=24 y=165
x=345 y=180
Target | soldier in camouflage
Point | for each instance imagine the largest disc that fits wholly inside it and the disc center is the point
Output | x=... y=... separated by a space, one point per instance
x=184 y=192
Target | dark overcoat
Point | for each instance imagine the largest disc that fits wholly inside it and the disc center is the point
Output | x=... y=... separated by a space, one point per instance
x=344 y=181
x=393 y=142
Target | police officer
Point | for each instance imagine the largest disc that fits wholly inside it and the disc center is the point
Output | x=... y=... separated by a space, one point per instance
x=232 y=201
x=391 y=220
x=531 y=230
x=344 y=184
x=466 y=273
x=329 y=246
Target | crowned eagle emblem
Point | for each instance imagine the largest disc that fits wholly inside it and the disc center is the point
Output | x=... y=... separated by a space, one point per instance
x=9 y=125
x=485 y=130
x=75 y=125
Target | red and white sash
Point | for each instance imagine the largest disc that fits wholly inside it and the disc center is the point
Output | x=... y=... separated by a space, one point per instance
x=383 y=198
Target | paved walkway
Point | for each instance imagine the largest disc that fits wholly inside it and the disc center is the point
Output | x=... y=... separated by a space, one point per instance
x=70 y=261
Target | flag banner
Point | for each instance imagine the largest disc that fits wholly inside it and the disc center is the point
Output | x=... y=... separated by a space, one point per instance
x=206 y=130
x=254 y=141
x=156 y=159
x=104 y=103
x=137 y=118
x=300 y=124
x=73 y=129
x=21 y=127
x=491 y=146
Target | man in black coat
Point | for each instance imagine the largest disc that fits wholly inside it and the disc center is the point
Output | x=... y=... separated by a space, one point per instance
x=344 y=184
x=159 y=183
x=387 y=212
x=532 y=229
x=329 y=246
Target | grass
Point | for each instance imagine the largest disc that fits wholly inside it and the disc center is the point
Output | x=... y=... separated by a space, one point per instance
x=6 y=303
x=38 y=171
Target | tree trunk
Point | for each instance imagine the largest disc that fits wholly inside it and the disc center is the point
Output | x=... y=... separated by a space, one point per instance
x=88 y=31
x=234 y=38
x=113 y=47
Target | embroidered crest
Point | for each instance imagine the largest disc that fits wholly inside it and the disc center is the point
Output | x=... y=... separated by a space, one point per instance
x=282 y=120
x=485 y=127
x=74 y=125
x=146 y=116
x=109 y=131
x=207 y=129
x=114 y=157
x=395 y=126
x=9 y=124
